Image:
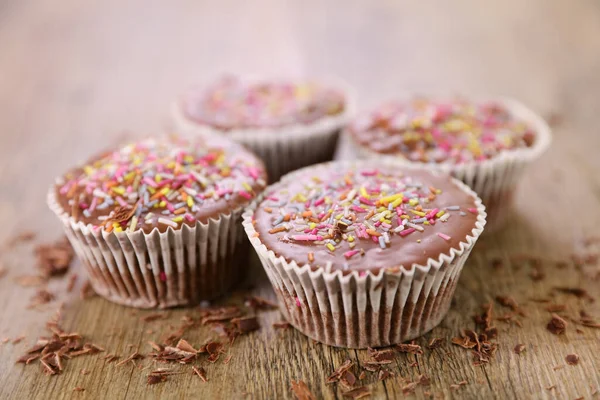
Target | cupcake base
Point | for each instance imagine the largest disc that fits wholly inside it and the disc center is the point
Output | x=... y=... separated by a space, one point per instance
x=161 y=269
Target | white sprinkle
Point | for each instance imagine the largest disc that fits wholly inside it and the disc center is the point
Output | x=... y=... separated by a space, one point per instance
x=167 y=222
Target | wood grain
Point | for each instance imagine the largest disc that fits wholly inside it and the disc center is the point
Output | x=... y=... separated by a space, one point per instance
x=79 y=76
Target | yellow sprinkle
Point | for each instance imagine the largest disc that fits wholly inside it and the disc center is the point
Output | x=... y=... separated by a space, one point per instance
x=162 y=204
x=385 y=221
x=88 y=170
x=418 y=240
x=426 y=223
x=330 y=247
x=301 y=197
x=392 y=198
x=381 y=209
x=350 y=238
x=151 y=190
x=404 y=216
x=190 y=202
x=247 y=187
x=339 y=216
x=419 y=213
x=413 y=202
x=363 y=193
x=327 y=200
x=440 y=213
x=171 y=165
x=118 y=189
x=397 y=202
x=158 y=178
x=178 y=219
x=165 y=190
x=130 y=176
x=312 y=225
x=188 y=159
x=133 y=223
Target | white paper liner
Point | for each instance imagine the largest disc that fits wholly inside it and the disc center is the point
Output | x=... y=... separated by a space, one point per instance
x=495 y=180
x=283 y=149
x=158 y=270
x=364 y=309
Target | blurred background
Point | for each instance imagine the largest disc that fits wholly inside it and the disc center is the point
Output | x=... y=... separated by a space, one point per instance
x=74 y=75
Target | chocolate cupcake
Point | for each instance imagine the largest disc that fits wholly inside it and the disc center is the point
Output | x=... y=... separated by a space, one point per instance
x=157 y=223
x=486 y=144
x=289 y=124
x=364 y=254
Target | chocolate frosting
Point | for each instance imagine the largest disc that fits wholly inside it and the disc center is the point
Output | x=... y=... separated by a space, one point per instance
x=281 y=219
x=161 y=183
x=436 y=131
x=231 y=103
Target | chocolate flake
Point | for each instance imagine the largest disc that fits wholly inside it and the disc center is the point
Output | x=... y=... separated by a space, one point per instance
x=519 y=348
x=410 y=348
x=214 y=349
x=41 y=297
x=557 y=325
x=201 y=372
x=381 y=356
x=78 y=389
x=509 y=302
x=357 y=393
x=577 y=292
x=410 y=387
x=553 y=308
x=260 y=303
x=54 y=259
x=154 y=317
x=220 y=314
x=245 y=324
x=71 y=283
x=384 y=374
x=87 y=291
x=301 y=391
x=134 y=356
x=337 y=374
x=572 y=359
x=281 y=325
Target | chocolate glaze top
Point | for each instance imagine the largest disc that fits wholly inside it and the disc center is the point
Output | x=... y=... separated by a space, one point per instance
x=438 y=131
x=231 y=103
x=359 y=218
x=161 y=183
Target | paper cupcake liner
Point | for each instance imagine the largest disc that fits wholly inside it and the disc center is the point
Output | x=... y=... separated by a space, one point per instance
x=364 y=309
x=495 y=180
x=287 y=148
x=158 y=270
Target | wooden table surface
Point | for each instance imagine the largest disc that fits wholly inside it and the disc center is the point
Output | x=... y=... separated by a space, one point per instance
x=77 y=76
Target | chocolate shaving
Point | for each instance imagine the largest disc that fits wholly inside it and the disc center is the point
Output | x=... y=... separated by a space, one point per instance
x=553 y=308
x=519 y=348
x=572 y=359
x=511 y=303
x=301 y=391
x=78 y=389
x=260 y=303
x=41 y=297
x=384 y=374
x=186 y=346
x=134 y=356
x=381 y=356
x=410 y=387
x=410 y=348
x=87 y=291
x=220 y=314
x=281 y=325
x=557 y=325
x=245 y=324
x=577 y=292
x=436 y=343
x=153 y=379
x=122 y=214
x=357 y=393
x=55 y=258
x=337 y=374
x=214 y=349
x=154 y=317
x=201 y=372
x=348 y=379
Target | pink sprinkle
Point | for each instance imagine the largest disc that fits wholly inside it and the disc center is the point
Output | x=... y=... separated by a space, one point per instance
x=298 y=304
x=350 y=253
x=366 y=201
x=170 y=207
x=375 y=239
x=253 y=172
x=307 y=204
x=273 y=198
x=399 y=211
x=407 y=231
x=359 y=209
x=431 y=214
x=307 y=238
x=94 y=203
x=321 y=215
x=362 y=273
x=83 y=206
x=149 y=182
x=162 y=276
x=65 y=189
x=443 y=236
x=245 y=194
x=319 y=202
x=369 y=173
x=472 y=210
x=385 y=225
x=121 y=202
x=377 y=223
x=432 y=221
x=189 y=217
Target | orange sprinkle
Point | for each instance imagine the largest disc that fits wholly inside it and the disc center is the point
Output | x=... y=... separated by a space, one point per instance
x=370 y=214
x=278 y=229
x=307 y=214
x=286 y=217
x=268 y=209
x=311 y=257
x=431 y=197
x=180 y=211
x=432 y=190
x=419 y=208
x=256 y=234
x=344 y=195
x=71 y=191
x=156 y=195
x=184 y=195
x=373 y=233
x=314 y=219
x=109 y=228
